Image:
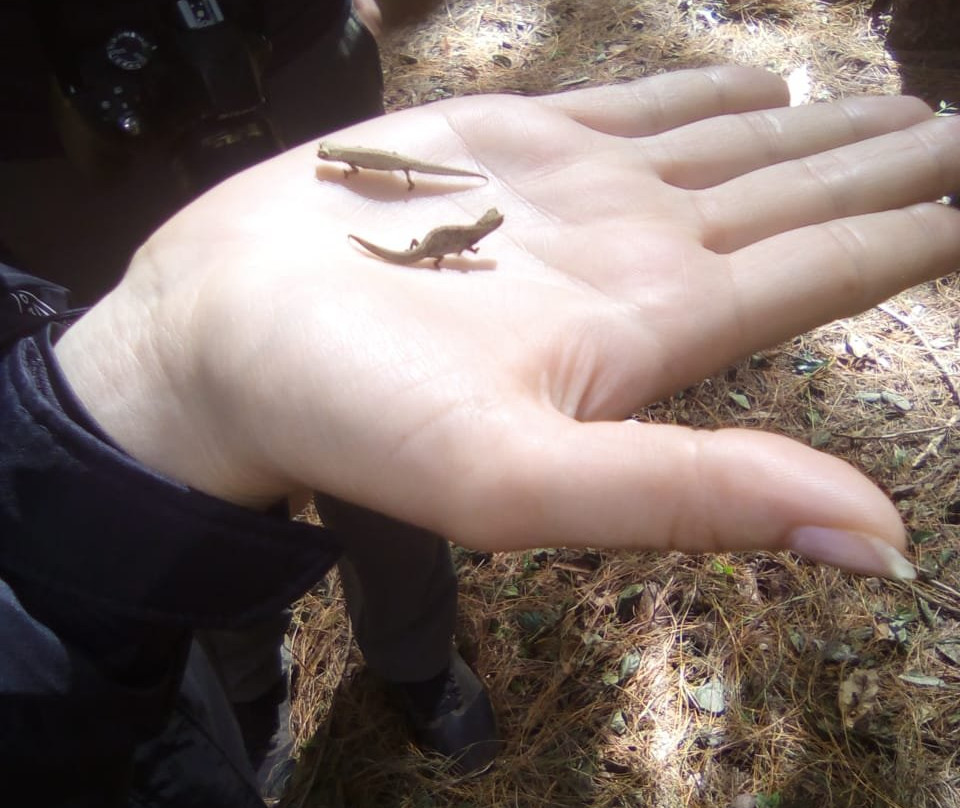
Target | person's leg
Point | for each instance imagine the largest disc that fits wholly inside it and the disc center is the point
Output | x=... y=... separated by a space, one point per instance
x=254 y=669
x=401 y=593
x=199 y=758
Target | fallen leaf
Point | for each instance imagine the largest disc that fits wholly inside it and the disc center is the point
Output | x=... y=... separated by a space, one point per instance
x=928 y=615
x=858 y=696
x=629 y=665
x=709 y=697
x=857 y=346
x=820 y=438
x=534 y=622
x=835 y=651
x=710 y=737
x=807 y=364
x=647 y=608
x=892 y=632
x=950 y=649
x=921 y=680
x=591 y=637
x=902 y=403
x=627 y=601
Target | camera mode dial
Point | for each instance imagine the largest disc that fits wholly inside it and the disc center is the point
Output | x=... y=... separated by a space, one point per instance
x=129 y=50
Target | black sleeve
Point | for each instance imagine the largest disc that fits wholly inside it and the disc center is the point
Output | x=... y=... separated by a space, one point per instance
x=106 y=569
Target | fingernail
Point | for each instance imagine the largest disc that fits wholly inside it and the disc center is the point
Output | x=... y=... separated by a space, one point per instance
x=856 y=552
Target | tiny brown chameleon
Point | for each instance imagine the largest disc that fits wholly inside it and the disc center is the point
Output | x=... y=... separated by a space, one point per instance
x=358 y=157
x=441 y=241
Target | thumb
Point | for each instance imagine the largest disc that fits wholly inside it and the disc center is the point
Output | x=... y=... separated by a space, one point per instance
x=661 y=487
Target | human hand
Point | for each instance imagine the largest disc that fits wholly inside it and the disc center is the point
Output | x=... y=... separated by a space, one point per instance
x=655 y=232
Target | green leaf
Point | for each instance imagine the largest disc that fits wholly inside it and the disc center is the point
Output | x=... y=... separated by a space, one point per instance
x=820 y=438
x=610 y=678
x=922 y=536
x=618 y=723
x=906 y=614
x=808 y=364
x=629 y=665
x=902 y=403
x=921 y=680
x=709 y=697
x=836 y=651
x=630 y=592
x=740 y=400
x=929 y=616
x=533 y=622
x=950 y=649
x=589 y=638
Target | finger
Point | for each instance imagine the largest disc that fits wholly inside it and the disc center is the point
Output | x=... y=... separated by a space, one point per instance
x=661 y=103
x=739 y=144
x=642 y=486
x=819 y=273
x=901 y=168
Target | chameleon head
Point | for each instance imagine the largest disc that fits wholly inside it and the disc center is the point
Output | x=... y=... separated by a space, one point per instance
x=323 y=151
x=492 y=217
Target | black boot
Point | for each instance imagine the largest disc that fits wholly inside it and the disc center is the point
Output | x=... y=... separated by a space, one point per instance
x=451 y=714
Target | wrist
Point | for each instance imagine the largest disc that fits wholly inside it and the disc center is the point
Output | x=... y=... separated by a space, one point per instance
x=136 y=377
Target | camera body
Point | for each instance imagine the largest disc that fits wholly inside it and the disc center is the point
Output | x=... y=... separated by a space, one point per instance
x=176 y=79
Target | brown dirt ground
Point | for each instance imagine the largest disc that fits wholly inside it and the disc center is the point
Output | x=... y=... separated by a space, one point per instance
x=748 y=680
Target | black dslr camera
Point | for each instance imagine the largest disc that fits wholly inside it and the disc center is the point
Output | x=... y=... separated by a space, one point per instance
x=174 y=79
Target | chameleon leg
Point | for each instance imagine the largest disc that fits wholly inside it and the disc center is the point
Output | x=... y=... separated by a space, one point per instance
x=410 y=185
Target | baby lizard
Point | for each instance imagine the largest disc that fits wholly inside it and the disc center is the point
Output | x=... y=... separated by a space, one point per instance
x=359 y=157
x=441 y=241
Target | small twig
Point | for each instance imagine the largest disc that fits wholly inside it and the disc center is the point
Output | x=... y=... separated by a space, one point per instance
x=948 y=380
x=947 y=598
x=894 y=435
x=945 y=588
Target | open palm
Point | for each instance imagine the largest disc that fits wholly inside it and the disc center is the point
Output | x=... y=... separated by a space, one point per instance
x=654 y=232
